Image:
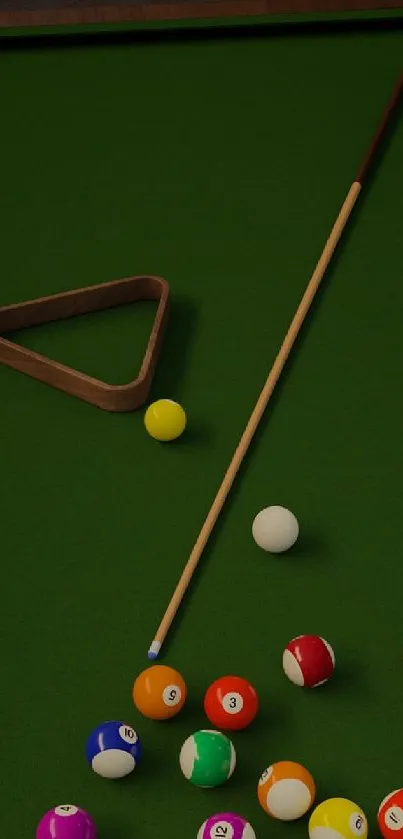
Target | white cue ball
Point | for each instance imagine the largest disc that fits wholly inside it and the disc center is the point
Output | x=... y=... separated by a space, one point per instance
x=275 y=529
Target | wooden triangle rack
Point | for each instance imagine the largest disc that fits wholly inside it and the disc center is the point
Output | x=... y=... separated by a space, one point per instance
x=81 y=301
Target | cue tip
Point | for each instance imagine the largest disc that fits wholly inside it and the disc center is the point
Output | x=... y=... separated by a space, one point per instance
x=154 y=650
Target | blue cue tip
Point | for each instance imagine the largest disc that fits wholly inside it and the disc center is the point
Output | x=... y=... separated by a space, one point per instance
x=154 y=650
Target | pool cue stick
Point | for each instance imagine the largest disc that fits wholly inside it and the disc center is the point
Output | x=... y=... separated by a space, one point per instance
x=274 y=375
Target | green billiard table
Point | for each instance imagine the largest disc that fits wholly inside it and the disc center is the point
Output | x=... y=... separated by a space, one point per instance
x=215 y=155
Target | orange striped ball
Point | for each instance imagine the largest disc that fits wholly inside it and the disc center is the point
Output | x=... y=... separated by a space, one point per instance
x=286 y=790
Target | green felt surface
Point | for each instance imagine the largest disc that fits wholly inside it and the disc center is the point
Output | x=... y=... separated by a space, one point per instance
x=220 y=165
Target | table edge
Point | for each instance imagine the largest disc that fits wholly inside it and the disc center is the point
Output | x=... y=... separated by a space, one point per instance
x=199 y=14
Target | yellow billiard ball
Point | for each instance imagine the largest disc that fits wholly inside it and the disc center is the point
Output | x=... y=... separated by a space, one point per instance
x=338 y=818
x=165 y=420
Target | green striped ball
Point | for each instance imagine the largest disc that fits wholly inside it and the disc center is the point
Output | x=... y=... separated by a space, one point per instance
x=207 y=758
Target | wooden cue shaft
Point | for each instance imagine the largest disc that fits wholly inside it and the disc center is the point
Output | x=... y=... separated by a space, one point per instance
x=276 y=370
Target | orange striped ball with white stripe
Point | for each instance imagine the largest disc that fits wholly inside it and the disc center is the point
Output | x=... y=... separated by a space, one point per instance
x=286 y=790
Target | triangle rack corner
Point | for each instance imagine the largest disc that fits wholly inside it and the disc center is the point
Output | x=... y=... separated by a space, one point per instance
x=68 y=304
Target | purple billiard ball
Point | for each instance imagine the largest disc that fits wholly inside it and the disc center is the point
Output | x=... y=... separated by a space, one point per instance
x=226 y=826
x=66 y=822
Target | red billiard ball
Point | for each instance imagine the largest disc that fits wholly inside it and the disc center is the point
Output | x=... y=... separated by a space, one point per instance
x=308 y=661
x=390 y=815
x=231 y=703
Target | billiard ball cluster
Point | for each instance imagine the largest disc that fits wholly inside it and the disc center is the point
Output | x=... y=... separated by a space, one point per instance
x=286 y=790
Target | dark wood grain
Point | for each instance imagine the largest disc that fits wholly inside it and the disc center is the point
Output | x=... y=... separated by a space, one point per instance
x=78 y=302
x=391 y=111
x=15 y=13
